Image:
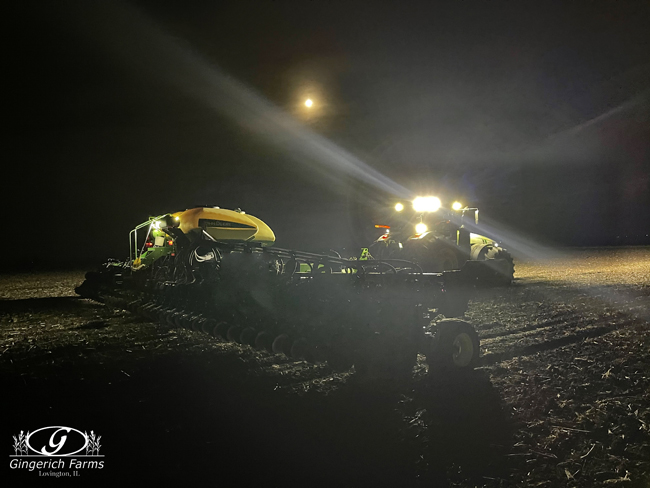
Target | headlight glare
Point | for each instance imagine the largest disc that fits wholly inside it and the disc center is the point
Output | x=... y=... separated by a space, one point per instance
x=426 y=204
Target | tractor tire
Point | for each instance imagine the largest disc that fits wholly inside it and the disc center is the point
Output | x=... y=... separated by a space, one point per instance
x=455 y=347
x=504 y=269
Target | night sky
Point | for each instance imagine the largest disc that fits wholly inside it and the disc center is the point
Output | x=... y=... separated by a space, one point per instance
x=536 y=112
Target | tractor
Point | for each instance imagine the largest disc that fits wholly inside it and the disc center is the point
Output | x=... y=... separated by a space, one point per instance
x=438 y=239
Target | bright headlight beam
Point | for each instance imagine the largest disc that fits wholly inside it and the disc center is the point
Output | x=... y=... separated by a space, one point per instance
x=457 y=206
x=426 y=204
x=135 y=39
x=421 y=228
x=399 y=207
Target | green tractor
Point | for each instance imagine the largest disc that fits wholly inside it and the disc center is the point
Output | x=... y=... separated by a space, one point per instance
x=437 y=240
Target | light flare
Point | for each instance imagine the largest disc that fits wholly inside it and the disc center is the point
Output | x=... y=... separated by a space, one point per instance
x=427 y=204
x=421 y=228
x=134 y=38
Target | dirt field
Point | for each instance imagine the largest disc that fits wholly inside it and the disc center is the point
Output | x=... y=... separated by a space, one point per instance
x=562 y=397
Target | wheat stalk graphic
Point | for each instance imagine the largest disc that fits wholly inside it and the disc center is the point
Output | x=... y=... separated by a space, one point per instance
x=20 y=444
x=93 y=445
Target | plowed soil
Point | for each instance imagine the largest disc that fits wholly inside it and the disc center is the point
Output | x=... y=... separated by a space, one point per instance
x=562 y=396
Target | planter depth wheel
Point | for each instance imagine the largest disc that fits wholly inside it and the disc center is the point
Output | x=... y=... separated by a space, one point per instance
x=455 y=346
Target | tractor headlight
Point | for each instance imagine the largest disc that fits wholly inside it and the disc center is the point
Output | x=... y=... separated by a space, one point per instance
x=399 y=207
x=457 y=206
x=426 y=204
x=421 y=228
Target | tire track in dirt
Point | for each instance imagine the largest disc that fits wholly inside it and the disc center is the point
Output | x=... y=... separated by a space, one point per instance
x=580 y=334
x=526 y=328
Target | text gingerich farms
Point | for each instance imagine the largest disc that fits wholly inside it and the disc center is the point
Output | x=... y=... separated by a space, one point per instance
x=59 y=463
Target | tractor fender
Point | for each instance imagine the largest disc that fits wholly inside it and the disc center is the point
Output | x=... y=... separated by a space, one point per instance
x=478 y=250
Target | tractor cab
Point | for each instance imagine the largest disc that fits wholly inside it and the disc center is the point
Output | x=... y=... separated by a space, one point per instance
x=157 y=243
